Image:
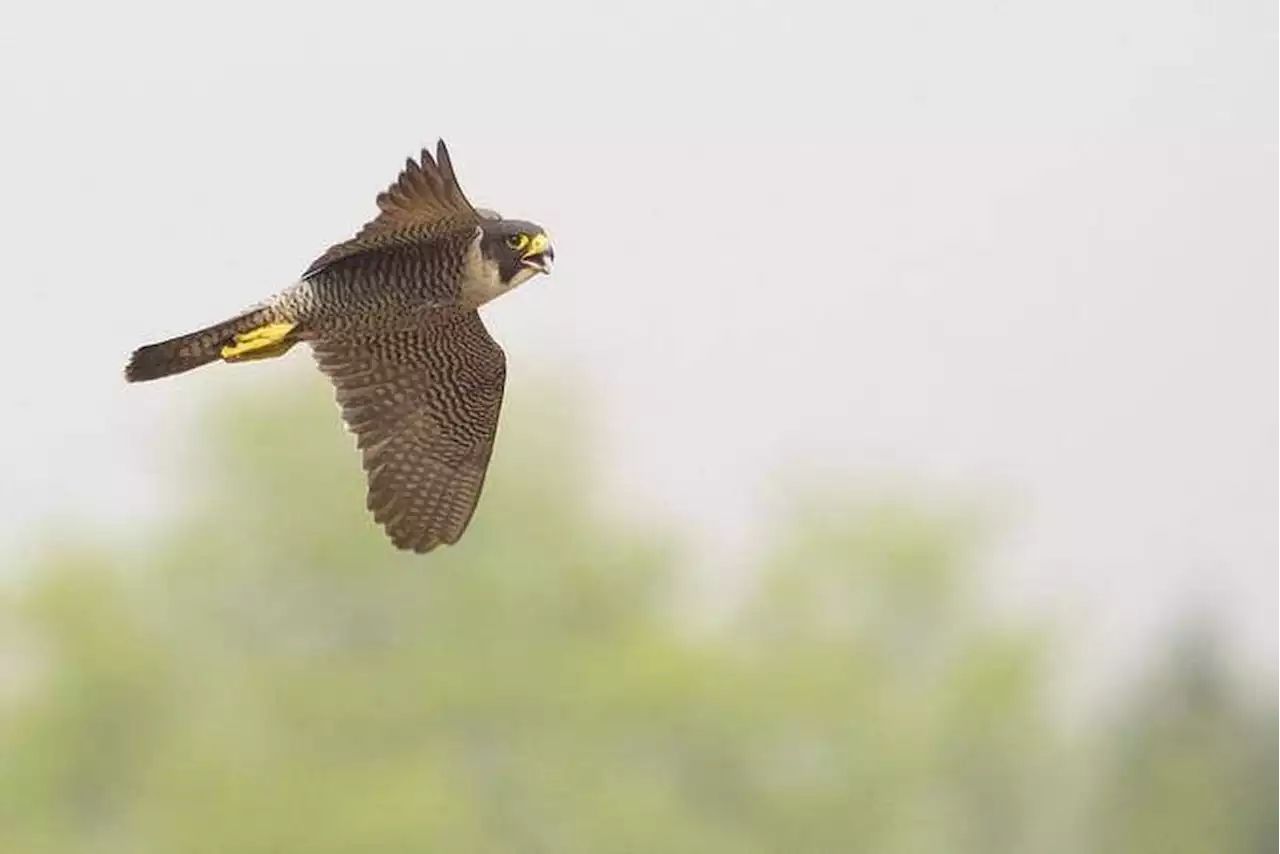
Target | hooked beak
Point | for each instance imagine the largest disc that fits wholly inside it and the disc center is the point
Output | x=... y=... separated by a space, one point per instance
x=539 y=254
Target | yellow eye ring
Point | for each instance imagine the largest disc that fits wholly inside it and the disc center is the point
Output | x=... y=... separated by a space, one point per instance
x=518 y=241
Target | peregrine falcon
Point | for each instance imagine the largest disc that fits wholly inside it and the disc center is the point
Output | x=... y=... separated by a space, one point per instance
x=391 y=318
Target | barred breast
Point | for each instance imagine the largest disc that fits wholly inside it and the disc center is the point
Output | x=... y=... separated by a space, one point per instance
x=383 y=291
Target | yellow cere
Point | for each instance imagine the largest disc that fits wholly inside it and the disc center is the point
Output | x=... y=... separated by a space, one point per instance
x=538 y=245
x=264 y=338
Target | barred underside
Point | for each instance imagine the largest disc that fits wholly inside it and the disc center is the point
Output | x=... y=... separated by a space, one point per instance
x=383 y=290
x=423 y=405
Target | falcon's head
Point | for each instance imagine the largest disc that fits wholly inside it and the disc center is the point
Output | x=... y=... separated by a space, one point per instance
x=520 y=249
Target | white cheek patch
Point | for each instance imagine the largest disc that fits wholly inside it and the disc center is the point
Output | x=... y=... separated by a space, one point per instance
x=522 y=275
x=481 y=280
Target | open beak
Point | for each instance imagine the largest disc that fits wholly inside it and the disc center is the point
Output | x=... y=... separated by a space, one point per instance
x=539 y=254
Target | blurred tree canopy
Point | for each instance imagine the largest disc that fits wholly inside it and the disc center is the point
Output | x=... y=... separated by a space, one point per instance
x=265 y=674
x=1191 y=766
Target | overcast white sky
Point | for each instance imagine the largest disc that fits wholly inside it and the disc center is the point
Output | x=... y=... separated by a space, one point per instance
x=1011 y=249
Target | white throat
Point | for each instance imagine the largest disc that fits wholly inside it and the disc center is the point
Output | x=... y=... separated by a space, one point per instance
x=481 y=281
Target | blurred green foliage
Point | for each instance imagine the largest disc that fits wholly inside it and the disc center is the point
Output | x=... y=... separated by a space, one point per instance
x=265 y=674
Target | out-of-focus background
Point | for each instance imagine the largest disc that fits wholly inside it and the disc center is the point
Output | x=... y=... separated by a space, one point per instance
x=889 y=464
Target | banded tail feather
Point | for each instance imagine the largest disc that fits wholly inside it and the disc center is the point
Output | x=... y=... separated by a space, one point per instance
x=248 y=336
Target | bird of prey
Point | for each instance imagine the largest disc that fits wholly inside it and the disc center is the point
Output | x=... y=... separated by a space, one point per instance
x=390 y=316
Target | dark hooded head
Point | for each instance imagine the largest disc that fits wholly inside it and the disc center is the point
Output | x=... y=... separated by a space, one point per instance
x=520 y=249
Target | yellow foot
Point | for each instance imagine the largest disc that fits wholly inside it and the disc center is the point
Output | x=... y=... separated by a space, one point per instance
x=261 y=343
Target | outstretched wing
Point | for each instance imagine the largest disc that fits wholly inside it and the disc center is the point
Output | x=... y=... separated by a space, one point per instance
x=424 y=203
x=424 y=407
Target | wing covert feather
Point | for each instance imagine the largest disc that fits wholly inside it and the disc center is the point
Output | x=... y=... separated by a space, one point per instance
x=424 y=407
x=424 y=203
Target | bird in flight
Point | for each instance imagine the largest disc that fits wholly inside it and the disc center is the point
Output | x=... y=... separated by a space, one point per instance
x=391 y=318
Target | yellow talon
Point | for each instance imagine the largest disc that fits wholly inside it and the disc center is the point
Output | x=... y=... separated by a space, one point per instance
x=261 y=343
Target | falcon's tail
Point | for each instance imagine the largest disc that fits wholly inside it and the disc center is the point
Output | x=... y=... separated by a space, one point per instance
x=252 y=335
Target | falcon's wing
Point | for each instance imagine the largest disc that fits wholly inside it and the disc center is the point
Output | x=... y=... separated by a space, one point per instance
x=424 y=408
x=424 y=203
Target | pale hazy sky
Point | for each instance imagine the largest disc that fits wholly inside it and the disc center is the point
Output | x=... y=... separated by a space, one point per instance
x=996 y=249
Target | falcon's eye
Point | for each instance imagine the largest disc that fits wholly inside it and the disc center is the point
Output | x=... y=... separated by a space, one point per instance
x=518 y=241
